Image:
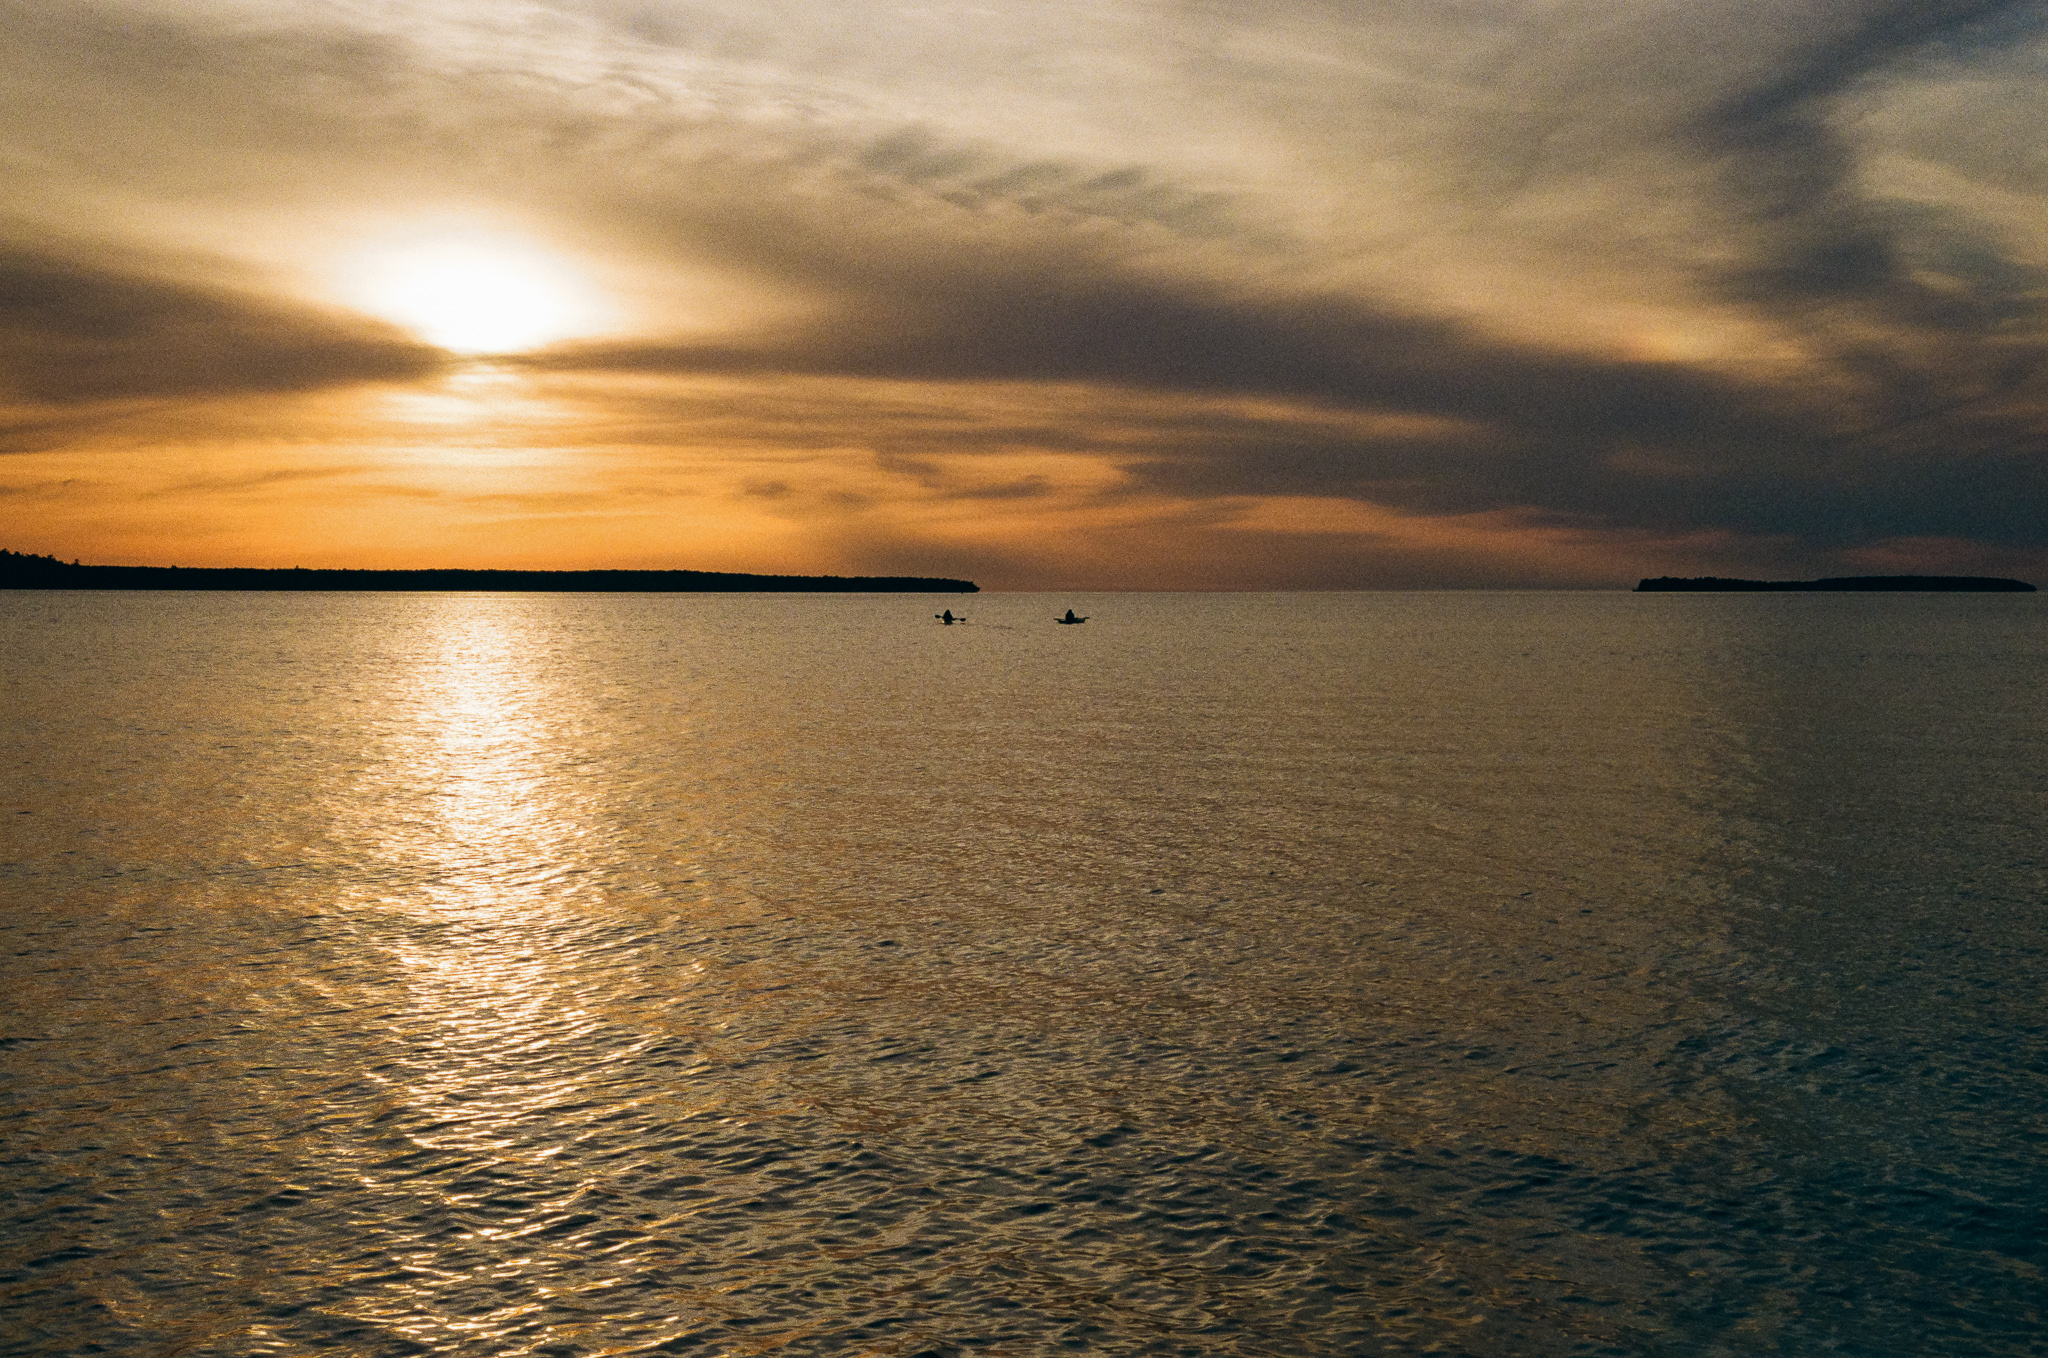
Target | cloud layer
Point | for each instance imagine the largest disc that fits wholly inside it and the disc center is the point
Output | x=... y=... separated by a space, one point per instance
x=73 y=334
x=1342 y=295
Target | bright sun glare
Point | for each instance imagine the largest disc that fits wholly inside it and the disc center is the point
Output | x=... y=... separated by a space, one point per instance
x=474 y=297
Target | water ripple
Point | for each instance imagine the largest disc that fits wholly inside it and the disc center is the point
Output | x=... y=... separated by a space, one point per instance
x=525 y=976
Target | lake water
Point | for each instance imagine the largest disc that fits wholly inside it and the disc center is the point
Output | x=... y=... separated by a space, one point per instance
x=1489 y=974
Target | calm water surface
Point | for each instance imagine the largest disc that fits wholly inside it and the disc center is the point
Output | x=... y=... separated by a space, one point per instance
x=1490 y=974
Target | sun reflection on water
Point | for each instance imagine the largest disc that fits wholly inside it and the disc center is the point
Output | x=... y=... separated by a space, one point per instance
x=495 y=819
x=483 y=729
x=508 y=1039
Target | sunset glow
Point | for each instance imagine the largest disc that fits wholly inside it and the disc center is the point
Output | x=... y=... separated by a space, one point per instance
x=1079 y=296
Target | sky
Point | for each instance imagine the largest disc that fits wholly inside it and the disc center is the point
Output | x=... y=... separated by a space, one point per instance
x=1110 y=295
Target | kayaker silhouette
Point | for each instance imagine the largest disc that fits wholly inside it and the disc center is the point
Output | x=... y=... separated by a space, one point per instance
x=1070 y=618
x=948 y=618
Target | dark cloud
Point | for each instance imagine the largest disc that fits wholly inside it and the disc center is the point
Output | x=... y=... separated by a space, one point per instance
x=1040 y=315
x=1525 y=424
x=1943 y=330
x=1812 y=241
x=1582 y=438
x=71 y=334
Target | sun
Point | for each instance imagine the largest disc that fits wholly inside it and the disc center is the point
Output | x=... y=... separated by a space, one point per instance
x=474 y=296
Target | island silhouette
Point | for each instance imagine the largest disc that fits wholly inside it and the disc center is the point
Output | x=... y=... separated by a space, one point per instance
x=1933 y=584
x=19 y=570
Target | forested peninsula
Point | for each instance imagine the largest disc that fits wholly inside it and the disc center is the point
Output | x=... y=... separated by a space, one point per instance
x=21 y=571
x=1933 y=584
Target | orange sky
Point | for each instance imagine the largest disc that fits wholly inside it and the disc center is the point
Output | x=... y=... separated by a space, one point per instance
x=1123 y=295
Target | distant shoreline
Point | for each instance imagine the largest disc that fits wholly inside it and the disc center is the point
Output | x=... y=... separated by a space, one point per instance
x=1878 y=584
x=18 y=571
